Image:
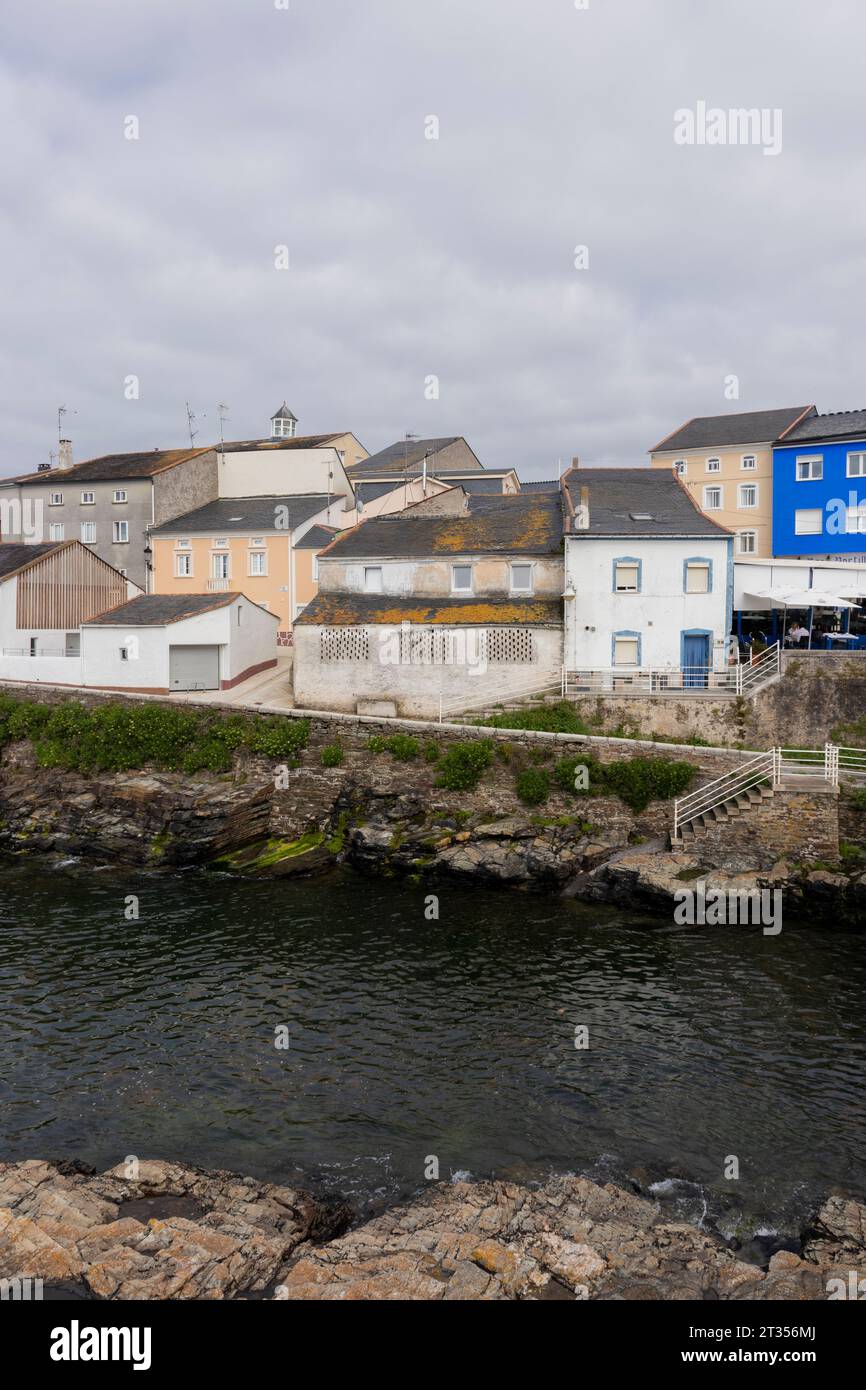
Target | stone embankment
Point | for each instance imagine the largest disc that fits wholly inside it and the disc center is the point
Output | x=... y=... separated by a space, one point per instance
x=172 y=1232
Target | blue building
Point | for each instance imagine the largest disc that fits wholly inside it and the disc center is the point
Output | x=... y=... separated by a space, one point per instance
x=819 y=487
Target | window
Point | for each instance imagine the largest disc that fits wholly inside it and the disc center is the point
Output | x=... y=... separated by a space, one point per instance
x=857 y=465
x=373 y=579
x=855 y=520
x=316 y=568
x=808 y=523
x=283 y=429
x=55 y=531
x=240 y=611
x=182 y=543
x=461 y=579
x=33 y=646
x=124 y=654
x=258 y=560
x=120 y=494
x=220 y=542
x=88 y=532
x=712 y=499
x=55 y=499
x=88 y=499
x=626 y=576
x=220 y=566
x=714 y=465
x=747 y=495
x=626 y=650
x=521 y=579
x=120 y=532
x=749 y=462
x=810 y=467
x=747 y=542
x=183 y=566
x=697 y=576
x=681 y=468
x=257 y=540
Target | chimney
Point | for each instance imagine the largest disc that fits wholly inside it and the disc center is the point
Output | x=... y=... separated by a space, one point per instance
x=64 y=458
x=581 y=512
x=575 y=462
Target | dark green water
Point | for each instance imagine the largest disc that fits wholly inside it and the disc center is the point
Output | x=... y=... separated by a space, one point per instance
x=411 y=1038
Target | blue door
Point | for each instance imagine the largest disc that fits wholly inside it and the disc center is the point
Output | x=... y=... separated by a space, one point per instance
x=696 y=658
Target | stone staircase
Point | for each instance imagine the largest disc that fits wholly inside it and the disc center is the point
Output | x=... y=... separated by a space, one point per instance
x=736 y=806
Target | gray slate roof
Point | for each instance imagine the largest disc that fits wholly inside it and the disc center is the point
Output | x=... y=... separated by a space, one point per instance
x=317 y=538
x=14 y=554
x=540 y=485
x=840 y=424
x=109 y=467
x=521 y=524
x=409 y=455
x=284 y=414
x=618 y=496
x=743 y=427
x=231 y=514
x=298 y=441
x=154 y=610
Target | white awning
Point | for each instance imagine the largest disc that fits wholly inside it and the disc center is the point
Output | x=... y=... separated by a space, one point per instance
x=800 y=598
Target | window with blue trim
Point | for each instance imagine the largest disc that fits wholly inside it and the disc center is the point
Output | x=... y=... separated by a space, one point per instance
x=625 y=649
x=697 y=575
x=627 y=574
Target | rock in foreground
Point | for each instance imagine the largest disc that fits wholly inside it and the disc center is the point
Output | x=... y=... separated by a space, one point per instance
x=177 y=1232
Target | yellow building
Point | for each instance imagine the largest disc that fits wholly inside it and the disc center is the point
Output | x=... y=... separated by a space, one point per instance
x=263 y=547
x=726 y=463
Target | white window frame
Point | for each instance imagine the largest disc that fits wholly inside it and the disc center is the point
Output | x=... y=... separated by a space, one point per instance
x=283 y=429
x=221 y=565
x=681 y=467
x=55 y=499
x=861 y=472
x=182 y=543
x=713 y=464
x=858 y=516
x=749 y=463
x=518 y=588
x=88 y=499
x=219 y=543
x=183 y=564
x=800 y=527
x=462 y=589
x=88 y=526
x=743 y=550
x=120 y=532
x=120 y=495
x=747 y=506
x=372 y=586
x=255 y=556
x=811 y=460
x=257 y=541
x=56 y=531
x=714 y=487
x=316 y=569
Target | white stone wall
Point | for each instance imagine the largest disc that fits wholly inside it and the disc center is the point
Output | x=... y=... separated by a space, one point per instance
x=659 y=613
x=414 y=689
x=432 y=578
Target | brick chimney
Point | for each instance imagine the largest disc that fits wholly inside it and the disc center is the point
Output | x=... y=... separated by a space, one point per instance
x=64 y=457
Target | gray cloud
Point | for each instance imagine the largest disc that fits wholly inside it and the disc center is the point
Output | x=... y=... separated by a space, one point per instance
x=411 y=257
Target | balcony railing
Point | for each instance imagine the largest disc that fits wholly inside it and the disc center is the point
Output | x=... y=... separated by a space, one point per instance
x=217 y=586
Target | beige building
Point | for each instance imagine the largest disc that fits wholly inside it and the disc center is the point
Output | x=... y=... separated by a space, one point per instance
x=726 y=464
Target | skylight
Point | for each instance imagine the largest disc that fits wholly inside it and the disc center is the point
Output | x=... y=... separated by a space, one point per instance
x=640 y=516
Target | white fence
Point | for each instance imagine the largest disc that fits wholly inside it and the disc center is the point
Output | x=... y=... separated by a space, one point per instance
x=733 y=679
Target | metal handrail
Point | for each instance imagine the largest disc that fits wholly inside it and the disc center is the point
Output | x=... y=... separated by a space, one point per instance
x=494 y=693
x=772 y=766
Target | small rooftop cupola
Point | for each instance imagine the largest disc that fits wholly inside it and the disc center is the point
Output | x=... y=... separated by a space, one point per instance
x=283 y=424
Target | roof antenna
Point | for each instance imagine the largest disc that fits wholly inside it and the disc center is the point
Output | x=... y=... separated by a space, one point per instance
x=191 y=417
x=61 y=411
x=222 y=411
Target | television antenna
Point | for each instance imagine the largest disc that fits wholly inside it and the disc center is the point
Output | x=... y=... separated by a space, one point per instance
x=191 y=417
x=222 y=411
x=61 y=411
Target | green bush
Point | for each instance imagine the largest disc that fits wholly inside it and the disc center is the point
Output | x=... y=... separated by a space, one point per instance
x=403 y=747
x=638 y=781
x=464 y=764
x=331 y=755
x=565 y=773
x=533 y=786
x=431 y=751
x=560 y=718
x=121 y=737
x=858 y=800
x=376 y=743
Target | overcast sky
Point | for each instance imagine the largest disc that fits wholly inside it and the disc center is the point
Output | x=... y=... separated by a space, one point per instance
x=411 y=258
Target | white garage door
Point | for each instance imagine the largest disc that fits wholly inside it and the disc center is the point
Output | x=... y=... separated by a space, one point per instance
x=194 y=668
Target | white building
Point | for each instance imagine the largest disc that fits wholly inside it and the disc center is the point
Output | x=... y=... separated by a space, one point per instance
x=46 y=591
x=159 y=643
x=648 y=579
x=438 y=608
